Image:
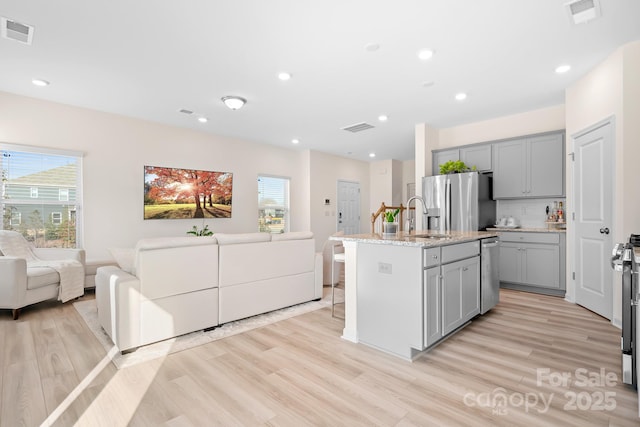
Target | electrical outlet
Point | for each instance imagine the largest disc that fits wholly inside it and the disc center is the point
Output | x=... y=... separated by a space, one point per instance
x=384 y=268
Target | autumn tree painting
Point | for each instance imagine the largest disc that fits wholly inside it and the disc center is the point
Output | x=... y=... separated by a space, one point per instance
x=171 y=193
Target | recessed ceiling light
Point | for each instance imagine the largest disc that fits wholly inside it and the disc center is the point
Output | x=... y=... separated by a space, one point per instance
x=203 y=119
x=295 y=141
x=40 y=82
x=372 y=47
x=284 y=76
x=383 y=118
x=428 y=83
x=563 y=69
x=372 y=155
x=461 y=96
x=425 y=54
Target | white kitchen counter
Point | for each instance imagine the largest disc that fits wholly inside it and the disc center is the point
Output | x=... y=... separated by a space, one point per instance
x=530 y=229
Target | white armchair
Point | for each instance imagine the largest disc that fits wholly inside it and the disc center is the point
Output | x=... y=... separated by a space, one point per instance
x=23 y=283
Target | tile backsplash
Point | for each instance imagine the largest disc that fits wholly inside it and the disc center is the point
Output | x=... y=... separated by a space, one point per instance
x=527 y=212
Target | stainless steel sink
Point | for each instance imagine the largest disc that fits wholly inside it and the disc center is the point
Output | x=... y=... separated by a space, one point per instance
x=431 y=236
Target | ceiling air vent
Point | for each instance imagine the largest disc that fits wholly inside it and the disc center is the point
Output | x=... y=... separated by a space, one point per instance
x=582 y=11
x=358 y=127
x=185 y=111
x=17 y=31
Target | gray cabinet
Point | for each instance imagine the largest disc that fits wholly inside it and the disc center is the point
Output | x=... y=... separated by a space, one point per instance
x=432 y=306
x=533 y=261
x=529 y=167
x=460 y=293
x=451 y=289
x=440 y=157
x=478 y=156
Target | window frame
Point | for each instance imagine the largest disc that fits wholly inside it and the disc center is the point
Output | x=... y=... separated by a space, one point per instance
x=72 y=206
x=286 y=206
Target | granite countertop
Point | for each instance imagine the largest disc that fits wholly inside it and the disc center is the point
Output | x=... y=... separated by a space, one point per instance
x=418 y=238
x=530 y=229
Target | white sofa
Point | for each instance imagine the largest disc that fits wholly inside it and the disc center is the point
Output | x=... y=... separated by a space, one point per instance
x=185 y=284
x=170 y=290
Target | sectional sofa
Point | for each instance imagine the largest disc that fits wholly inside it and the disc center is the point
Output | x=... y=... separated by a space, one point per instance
x=173 y=286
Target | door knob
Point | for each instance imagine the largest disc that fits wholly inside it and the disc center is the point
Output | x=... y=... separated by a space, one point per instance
x=604 y=230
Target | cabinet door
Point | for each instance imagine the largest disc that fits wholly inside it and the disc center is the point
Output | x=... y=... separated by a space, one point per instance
x=510 y=260
x=541 y=265
x=509 y=169
x=432 y=304
x=546 y=166
x=478 y=156
x=470 y=274
x=451 y=296
x=441 y=157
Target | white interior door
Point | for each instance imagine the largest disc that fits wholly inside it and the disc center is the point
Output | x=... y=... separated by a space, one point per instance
x=348 y=216
x=593 y=189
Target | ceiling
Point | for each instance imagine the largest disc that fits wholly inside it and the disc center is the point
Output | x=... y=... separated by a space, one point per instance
x=150 y=58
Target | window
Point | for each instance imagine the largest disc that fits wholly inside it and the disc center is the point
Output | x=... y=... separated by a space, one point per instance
x=273 y=204
x=40 y=194
x=56 y=218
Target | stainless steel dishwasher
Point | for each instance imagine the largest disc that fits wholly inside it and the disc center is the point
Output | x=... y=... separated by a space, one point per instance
x=489 y=277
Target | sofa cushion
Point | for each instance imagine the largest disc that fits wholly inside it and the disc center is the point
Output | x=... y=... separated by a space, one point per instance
x=174 y=242
x=39 y=277
x=125 y=257
x=293 y=235
x=234 y=239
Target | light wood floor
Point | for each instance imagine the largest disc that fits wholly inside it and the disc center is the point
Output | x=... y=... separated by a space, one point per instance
x=300 y=372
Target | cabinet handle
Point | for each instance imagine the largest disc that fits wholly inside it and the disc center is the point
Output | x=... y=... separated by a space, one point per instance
x=434 y=256
x=465 y=268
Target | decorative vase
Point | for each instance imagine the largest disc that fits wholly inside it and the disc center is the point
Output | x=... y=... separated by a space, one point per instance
x=389 y=228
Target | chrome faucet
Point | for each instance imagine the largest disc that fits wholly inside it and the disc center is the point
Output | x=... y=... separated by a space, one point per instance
x=410 y=221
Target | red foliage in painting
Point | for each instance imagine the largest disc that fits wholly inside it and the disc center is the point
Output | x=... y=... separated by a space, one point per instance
x=188 y=185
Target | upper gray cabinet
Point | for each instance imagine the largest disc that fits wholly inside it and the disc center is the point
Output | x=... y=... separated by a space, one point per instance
x=478 y=156
x=473 y=155
x=529 y=167
x=440 y=157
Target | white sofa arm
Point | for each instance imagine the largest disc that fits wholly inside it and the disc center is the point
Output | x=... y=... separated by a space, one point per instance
x=118 y=302
x=51 y=254
x=13 y=282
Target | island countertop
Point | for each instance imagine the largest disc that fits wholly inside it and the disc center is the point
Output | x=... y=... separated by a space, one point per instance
x=424 y=238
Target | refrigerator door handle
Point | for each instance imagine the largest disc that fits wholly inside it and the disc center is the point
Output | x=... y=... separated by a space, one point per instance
x=447 y=205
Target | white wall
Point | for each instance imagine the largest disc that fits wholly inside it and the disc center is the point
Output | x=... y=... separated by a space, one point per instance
x=612 y=89
x=325 y=171
x=117 y=148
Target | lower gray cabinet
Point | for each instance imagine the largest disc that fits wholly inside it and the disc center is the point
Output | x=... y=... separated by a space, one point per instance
x=432 y=306
x=531 y=261
x=460 y=293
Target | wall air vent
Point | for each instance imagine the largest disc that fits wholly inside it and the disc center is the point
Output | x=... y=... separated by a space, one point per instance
x=358 y=127
x=582 y=11
x=13 y=30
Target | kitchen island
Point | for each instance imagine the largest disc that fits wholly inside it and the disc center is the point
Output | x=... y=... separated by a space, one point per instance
x=407 y=292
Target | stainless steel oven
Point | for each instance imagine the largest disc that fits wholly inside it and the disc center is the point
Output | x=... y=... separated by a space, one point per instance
x=625 y=260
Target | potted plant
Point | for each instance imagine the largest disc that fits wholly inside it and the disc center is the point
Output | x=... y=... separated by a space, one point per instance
x=455 y=166
x=202 y=232
x=390 y=225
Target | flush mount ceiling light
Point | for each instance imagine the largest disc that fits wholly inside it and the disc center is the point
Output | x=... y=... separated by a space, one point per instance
x=234 y=102
x=284 y=76
x=372 y=155
x=563 y=69
x=425 y=54
x=461 y=96
x=40 y=82
x=203 y=119
x=295 y=141
x=382 y=118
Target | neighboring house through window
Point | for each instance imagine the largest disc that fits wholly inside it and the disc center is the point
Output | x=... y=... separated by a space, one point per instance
x=41 y=194
x=273 y=204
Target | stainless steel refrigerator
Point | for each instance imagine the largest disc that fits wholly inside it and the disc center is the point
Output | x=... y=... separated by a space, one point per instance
x=461 y=202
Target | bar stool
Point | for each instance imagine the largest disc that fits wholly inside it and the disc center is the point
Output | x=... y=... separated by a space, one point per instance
x=336 y=257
